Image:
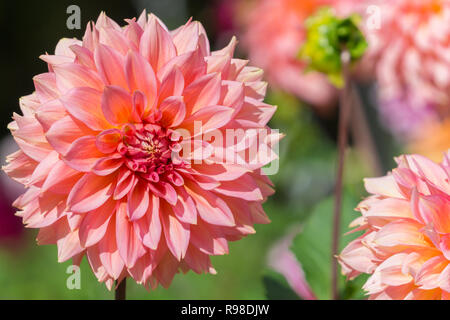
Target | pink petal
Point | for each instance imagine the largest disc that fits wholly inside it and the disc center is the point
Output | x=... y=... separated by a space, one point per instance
x=61 y=179
x=140 y=76
x=176 y=234
x=83 y=154
x=90 y=192
x=107 y=165
x=71 y=75
x=85 y=104
x=149 y=226
x=108 y=140
x=110 y=66
x=138 y=201
x=173 y=111
x=116 y=105
x=94 y=224
x=171 y=85
x=126 y=180
x=108 y=252
x=156 y=44
x=63 y=133
x=130 y=248
x=210 y=207
x=203 y=92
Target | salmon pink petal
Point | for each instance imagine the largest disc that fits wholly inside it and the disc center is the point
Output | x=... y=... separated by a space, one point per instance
x=115 y=39
x=173 y=111
x=72 y=75
x=156 y=44
x=171 y=85
x=85 y=104
x=208 y=240
x=185 y=209
x=209 y=118
x=445 y=246
x=140 y=76
x=83 y=154
x=116 y=105
x=187 y=37
x=385 y=186
x=198 y=261
x=203 y=92
x=107 y=165
x=126 y=180
x=255 y=113
x=95 y=223
x=149 y=226
x=130 y=248
x=83 y=56
x=90 y=192
x=61 y=178
x=49 y=113
x=45 y=85
x=191 y=64
x=210 y=207
x=176 y=234
x=244 y=188
x=164 y=190
x=138 y=201
x=43 y=169
x=63 y=133
x=108 y=141
x=110 y=63
x=108 y=252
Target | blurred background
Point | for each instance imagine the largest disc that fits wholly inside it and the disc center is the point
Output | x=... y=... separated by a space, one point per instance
x=401 y=104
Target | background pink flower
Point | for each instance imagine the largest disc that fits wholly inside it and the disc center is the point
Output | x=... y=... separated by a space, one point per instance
x=406 y=241
x=409 y=54
x=96 y=141
x=274 y=33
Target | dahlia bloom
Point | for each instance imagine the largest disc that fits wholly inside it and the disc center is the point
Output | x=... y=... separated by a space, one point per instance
x=406 y=244
x=410 y=57
x=436 y=139
x=102 y=150
x=274 y=34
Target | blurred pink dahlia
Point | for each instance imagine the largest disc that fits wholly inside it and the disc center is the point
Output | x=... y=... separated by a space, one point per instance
x=97 y=143
x=409 y=54
x=406 y=244
x=274 y=33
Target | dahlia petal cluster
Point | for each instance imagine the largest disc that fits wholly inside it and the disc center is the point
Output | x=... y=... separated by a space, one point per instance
x=97 y=139
x=410 y=54
x=406 y=244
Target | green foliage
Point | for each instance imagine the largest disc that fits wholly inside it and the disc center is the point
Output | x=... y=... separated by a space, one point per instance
x=307 y=155
x=276 y=287
x=313 y=248
x=327 y=37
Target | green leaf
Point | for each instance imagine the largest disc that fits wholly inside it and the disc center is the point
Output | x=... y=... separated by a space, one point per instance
x=313 y=248
x=277 y=288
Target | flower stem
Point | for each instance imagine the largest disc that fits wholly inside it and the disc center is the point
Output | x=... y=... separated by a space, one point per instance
x=344 y=116
x=121 y=289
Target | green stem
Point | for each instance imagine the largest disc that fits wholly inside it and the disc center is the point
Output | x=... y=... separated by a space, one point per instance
x=121 y=290
x=344 y=116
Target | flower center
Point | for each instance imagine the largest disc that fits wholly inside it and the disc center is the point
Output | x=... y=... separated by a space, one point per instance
x=146 y=148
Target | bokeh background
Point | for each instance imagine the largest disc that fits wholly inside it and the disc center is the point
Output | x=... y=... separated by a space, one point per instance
x=304 y=183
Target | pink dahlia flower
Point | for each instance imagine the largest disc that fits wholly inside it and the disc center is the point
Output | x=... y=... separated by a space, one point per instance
x=102 y=150
x=409 y=55
x=406 y=244
x=274 y=34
